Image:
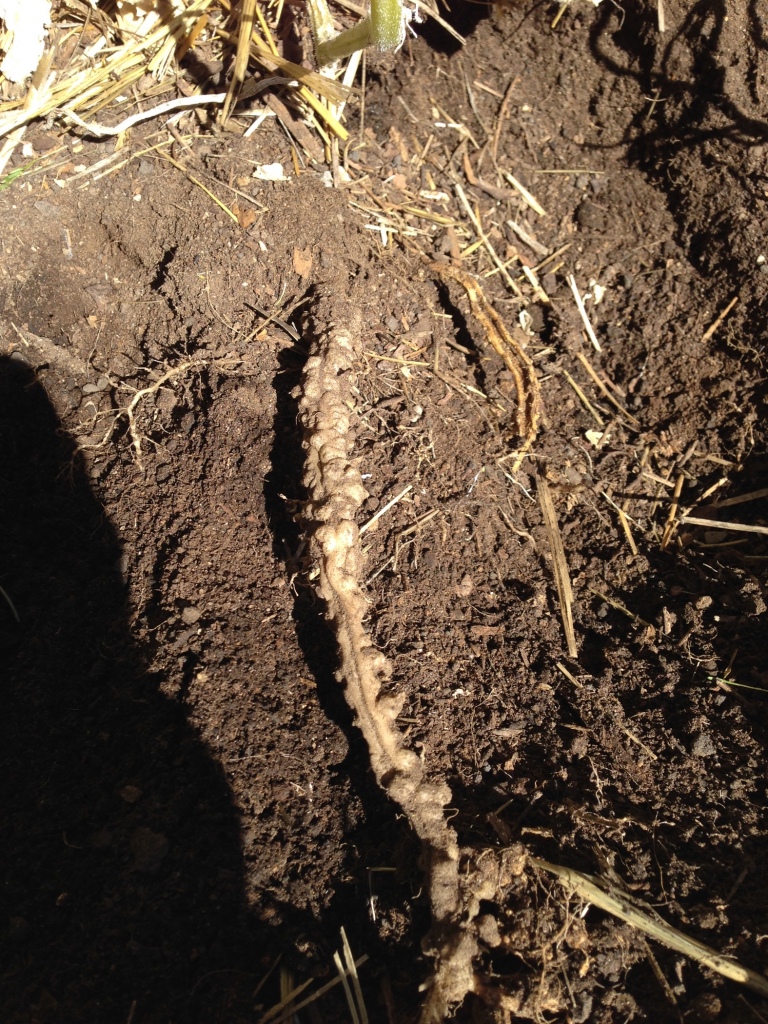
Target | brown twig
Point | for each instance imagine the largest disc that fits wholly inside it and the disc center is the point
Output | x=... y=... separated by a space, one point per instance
x=559 y=563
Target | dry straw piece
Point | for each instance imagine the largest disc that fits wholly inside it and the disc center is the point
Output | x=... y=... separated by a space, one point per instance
x=621 y=904
x=99 y=58
x=117 y=58
x=559 y=563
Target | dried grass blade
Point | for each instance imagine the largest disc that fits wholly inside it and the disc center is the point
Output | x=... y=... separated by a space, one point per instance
x=671 y=525
x=196 y=181
x=569 y=675
x=528 y=239
x=624 y=520
x=242 y=55
x=97 y=85
x=718 y=320
x=327 y=87
x=619 y=903
x=739 y=499
x=296 y=129
x=347 y=990
x=385 y=508
x=433 y=12
x=279 y=1013
x=485 y=240
x=10 y=604
x=584 y=400
x=191 y=37
x=609 y=397
x=583 y=313
x=562 y=577
x=530 y=199
x=716 y=524
x=619 y=607
x=349 y=961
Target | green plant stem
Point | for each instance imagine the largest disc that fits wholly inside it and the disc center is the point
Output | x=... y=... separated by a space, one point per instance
x=383 y=29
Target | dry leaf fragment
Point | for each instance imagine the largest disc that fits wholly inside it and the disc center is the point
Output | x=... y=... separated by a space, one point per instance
x=302 y=262
x=244 y=217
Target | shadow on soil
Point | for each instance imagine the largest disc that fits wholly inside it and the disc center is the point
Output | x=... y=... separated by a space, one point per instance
x=122 y=877
x=687 y=69
x=463 y=16
x=123 y=881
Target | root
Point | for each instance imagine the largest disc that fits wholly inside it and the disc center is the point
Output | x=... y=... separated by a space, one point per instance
x=129 y=411
x=335 y=494
x=515 y=358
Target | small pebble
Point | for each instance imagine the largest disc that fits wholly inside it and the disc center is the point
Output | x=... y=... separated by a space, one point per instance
x=47 y=209
x=703 y=746
x=465 y=588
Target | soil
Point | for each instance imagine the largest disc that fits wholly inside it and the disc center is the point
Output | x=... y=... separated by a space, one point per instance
x=189 y=814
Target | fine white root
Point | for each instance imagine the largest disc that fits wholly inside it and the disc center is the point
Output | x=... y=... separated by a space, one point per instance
x=335 y=494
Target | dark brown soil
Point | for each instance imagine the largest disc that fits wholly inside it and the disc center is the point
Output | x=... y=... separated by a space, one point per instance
x=186 y=800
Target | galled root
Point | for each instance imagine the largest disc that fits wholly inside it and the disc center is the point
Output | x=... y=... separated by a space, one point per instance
x=457 y=890
x=335 y=494
x=515 y=358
